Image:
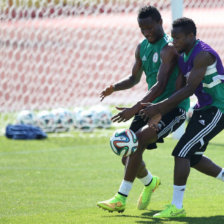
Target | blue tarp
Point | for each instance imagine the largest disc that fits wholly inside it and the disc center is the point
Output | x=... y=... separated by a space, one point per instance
x=23 y=131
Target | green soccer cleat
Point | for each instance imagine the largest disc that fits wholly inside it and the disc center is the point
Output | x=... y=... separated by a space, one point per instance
x=146 y=194
x=115 y=204
x=170 y=212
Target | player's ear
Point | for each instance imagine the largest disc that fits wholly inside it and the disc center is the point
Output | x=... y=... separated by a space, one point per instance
x=161 y=22
x=191 y=35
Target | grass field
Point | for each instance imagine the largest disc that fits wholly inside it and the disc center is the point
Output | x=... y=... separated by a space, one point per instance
x=60 y=179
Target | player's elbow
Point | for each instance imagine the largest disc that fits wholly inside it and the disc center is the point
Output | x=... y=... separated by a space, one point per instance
x=189 y=90
x=134 y=80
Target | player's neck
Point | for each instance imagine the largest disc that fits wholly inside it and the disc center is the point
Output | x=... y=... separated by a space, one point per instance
x=190 y=47
x=160 y=35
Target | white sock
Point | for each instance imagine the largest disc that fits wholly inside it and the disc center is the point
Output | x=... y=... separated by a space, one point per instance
x=147 y=179
x=125 y=187
x=178 y=195
x=221 y=175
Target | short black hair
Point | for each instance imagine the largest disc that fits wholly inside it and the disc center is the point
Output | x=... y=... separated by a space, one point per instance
x=149 y=11
x=186 y=24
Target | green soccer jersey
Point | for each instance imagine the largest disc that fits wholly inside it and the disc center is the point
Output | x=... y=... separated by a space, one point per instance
x=151 y=61
x=213 y=86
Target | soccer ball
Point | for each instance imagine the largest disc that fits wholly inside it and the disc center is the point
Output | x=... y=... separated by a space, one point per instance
x=63 y=119
x=102 y=117
x=124 y=142
x=77 y=114
x=26 y=117
x=45 y=120
x=85 y=122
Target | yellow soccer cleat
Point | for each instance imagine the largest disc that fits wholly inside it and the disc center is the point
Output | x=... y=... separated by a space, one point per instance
x=117 y=203
x=146 y=194
x=171 y=212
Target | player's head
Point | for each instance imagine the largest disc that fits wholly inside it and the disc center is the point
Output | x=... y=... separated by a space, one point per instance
x=150 y=23
x=184 y=34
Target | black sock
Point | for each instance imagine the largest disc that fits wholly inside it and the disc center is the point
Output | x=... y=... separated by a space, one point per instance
x=148 y=183
x=122 y=194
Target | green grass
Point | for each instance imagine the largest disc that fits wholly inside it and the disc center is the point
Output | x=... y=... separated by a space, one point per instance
x=60 y=179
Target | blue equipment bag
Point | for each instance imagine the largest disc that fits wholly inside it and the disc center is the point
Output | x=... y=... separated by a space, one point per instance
x=23 y=131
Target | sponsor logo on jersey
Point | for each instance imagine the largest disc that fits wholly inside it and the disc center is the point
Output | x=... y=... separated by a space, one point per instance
x=144 y=58
x=155 y=57
x=202 y=122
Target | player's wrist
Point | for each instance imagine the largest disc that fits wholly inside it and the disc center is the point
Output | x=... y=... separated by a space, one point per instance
x=112 y=87
x=161 y=110
x=138 y=106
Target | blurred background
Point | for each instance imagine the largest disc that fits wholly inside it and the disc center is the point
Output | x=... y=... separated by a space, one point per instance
x=63 y=53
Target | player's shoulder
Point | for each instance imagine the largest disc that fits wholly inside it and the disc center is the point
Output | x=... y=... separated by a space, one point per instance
x=168 y=47
x=137 y=51
x=204 y=58
x=138 y=48
x=141 y=46
x=143 y=43
x=169 y=50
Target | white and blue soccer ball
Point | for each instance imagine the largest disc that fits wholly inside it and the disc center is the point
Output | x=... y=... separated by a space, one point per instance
x=46 y=121
x=85 y=122
x=101 y=116
x=124 y=142
x=26 y=117
x=77 y=114
x=63 y=119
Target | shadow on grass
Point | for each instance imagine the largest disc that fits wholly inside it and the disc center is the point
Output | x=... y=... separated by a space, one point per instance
x=189 y=220
x=146 y=218
x=143 y=216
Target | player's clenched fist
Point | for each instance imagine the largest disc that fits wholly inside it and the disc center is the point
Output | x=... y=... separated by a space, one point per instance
x=106 y=92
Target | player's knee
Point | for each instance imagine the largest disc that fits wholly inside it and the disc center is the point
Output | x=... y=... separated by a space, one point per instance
x=142 y=144
x=195 y=159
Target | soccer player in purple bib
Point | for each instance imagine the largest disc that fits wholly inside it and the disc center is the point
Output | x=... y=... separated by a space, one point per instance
x=203 y=74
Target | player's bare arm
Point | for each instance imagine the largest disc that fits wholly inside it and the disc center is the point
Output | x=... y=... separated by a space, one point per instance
x=128 y=82
x=181 y=81
x=201 y=62
x=169 y=59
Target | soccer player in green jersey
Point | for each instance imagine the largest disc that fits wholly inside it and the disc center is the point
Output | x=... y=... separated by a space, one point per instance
x=157 y=58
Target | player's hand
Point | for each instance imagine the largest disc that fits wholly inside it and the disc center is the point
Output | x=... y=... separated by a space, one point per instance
x=149 y=111
x=106 y=92
x=124 y=115
x=153 y=122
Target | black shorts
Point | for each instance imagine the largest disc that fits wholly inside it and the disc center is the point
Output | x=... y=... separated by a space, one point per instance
x=203 y=126
x=168 y=124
